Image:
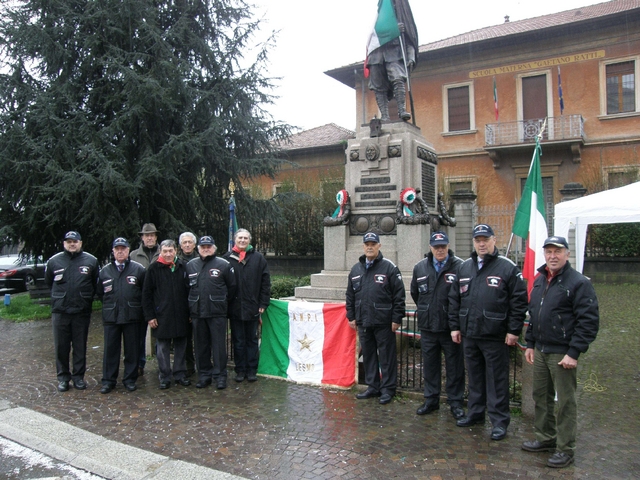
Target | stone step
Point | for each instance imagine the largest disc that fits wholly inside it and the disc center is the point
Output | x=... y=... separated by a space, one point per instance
x=319 y=294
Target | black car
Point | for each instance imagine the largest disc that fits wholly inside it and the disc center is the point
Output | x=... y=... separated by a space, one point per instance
x=17 y=272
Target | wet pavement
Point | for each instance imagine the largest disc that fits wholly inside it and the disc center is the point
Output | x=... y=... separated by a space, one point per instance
x=273 y=429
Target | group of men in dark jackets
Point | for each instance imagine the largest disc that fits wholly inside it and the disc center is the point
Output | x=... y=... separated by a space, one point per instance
x=473 y=311
x=166 y=293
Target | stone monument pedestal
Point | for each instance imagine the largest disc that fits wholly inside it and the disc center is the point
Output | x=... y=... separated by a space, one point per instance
x=380 y=164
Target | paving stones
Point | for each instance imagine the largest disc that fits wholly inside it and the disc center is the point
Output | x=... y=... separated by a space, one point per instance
x=275 y=429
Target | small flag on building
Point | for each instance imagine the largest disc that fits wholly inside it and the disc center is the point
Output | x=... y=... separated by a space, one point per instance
x=530 y=222
x=560 y=93
x=308 y=342
x=495 y=97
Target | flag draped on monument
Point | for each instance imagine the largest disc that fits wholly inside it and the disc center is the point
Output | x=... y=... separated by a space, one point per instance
x=385 y=29
x=530 y=222
x=308 y=342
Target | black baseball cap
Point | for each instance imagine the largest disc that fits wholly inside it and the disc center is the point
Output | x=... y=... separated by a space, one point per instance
x=556 y=241
x=482 y=230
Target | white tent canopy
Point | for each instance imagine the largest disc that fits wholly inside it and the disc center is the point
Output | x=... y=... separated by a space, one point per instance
x=618 y=205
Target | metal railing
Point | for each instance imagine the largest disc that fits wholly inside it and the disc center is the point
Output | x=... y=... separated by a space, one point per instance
x=410 y=375
x=565 y=127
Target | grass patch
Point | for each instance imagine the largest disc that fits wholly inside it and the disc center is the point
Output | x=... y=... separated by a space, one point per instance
x=22 y=309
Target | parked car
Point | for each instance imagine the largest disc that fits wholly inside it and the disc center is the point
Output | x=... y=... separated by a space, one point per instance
x=17 y=272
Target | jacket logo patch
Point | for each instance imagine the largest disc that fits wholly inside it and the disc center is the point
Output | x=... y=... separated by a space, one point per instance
x=380 y=278
x=108 y=288
x=464 y=288
x=131 y=280
x=214 y=272
x=494 y=281
x=449 y=277
x=84 y=270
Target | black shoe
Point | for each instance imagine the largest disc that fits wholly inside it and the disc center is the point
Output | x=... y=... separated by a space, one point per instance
x=240 y=377
x=164 y=385
x=368 y=393
x=252 y=377
x=427 y=408
x=185 y=382
x=385 y=398
x=131 y=387
x=106 y=389
x=221 y=384
x=536 y=446
x=469 y=421
x=498 y=433
x=457 y=412
x=79 y=384
x=63 y=386
x=560 y=460
x=203 y=383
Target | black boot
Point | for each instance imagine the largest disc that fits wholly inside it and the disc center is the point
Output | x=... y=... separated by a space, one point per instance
x=399 y=93
x=383 y=105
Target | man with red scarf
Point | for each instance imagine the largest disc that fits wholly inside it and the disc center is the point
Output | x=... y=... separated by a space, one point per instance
x=165 y=307
x=251 y=299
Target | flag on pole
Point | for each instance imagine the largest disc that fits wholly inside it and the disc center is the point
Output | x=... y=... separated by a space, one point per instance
x=385 y=29
x=530 y=222
x=233 y=223
x=560 y=92
x=495 y=97
x=308 y=342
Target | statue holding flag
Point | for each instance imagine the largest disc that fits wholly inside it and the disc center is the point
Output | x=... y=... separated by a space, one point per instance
x=391 y=54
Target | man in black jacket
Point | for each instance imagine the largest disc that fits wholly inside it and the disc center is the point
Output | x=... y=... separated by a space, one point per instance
x=164 y=302
x=211 y=284
x=487 y=307
x=430 y=284
x=251 y=299
x=120 y=288
x=376 y=307
x=564 y=321
x=72 y=276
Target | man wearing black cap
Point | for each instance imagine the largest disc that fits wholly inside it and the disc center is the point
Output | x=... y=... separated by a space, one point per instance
x=430 y=284
x=120 y=287
x=72 y=276
x=375 y=306
x=487 y=307
x=147 y=253
x=212 y=284
x=561 y=328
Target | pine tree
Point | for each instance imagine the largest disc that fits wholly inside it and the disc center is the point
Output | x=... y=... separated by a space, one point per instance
x=114 y=113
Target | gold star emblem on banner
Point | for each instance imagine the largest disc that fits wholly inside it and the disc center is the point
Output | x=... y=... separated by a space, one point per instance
x=306 y=343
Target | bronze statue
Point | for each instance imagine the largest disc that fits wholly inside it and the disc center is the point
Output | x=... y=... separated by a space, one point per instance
x=411 y=209
x=392 y=52
x=342 y=213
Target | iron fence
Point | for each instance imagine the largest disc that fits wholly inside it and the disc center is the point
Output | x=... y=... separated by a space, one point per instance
x=410 y=375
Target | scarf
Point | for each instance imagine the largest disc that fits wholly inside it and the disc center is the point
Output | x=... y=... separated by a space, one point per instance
x=171 y=264
x=241 y=253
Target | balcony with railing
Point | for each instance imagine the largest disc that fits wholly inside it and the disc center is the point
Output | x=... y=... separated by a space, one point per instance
x=566 y=130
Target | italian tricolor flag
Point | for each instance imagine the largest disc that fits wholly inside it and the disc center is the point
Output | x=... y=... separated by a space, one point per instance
x=530 y=220
x=308 y=342
x=385 y=29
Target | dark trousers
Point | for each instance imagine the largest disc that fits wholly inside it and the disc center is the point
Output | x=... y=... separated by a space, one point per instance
x=163 y=352
x=142 y=340
x=190 y=359
x=488 y=370
x=433 y=345
x=116 y=335
x=244 y=335
x=70 y=331
x=379 y=356
x=210 y=335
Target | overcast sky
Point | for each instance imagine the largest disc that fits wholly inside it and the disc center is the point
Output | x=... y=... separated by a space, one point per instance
x=316 y=36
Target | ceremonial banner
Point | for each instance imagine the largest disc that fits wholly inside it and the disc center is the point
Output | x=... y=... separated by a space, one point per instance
x=308 y=342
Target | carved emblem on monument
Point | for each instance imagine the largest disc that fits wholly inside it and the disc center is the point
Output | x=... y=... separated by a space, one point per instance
x=372 y=152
